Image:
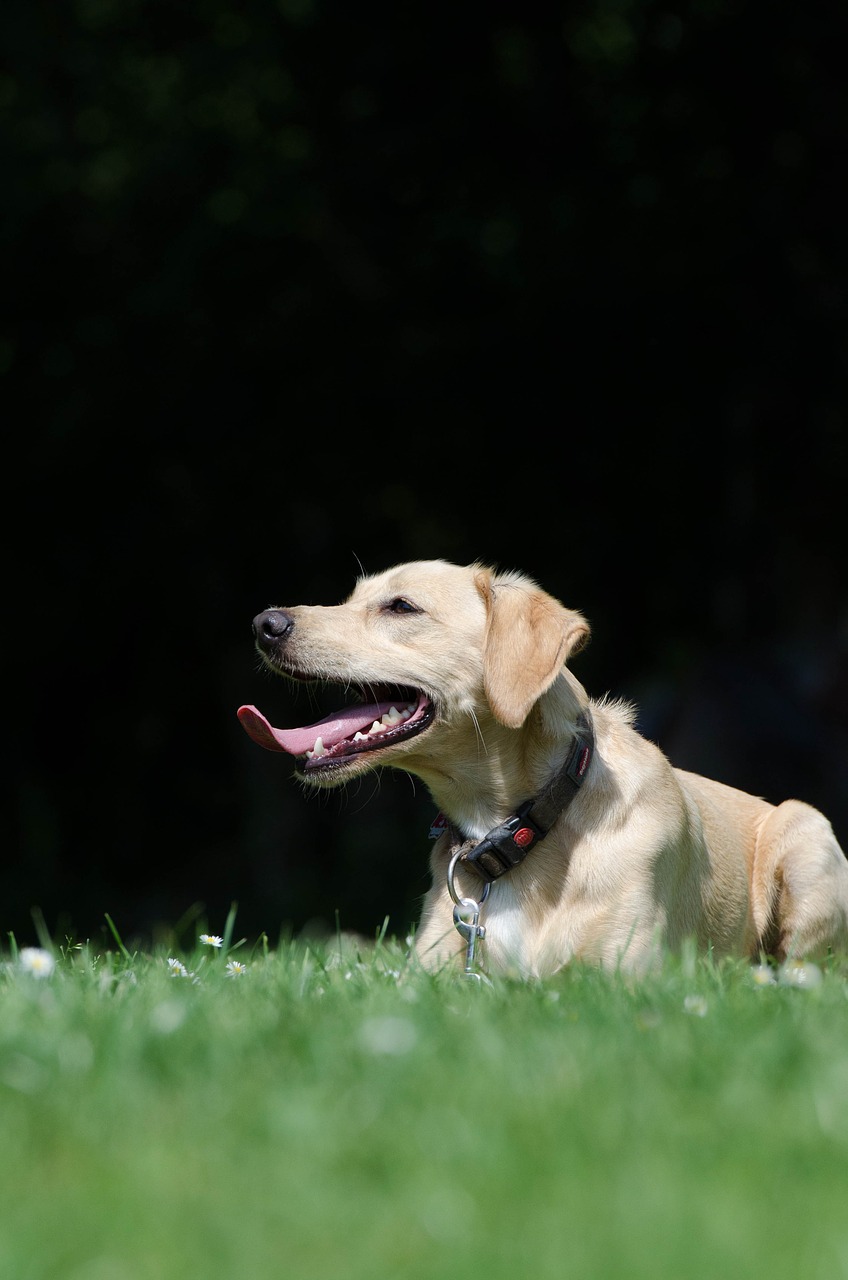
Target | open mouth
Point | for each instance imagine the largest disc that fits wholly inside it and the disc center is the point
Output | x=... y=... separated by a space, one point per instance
x=390 y=716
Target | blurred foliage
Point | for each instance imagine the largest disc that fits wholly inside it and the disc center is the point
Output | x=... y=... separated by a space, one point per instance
x=278 y=186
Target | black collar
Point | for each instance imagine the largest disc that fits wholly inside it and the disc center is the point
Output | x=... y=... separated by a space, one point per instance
x=508 y=844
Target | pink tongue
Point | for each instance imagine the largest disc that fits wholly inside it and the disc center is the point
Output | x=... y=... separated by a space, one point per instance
x=332 y=729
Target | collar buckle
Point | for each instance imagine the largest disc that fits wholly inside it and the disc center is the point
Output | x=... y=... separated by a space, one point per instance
x=506 y=845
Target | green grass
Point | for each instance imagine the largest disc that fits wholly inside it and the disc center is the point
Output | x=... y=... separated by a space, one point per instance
x=334 y=1113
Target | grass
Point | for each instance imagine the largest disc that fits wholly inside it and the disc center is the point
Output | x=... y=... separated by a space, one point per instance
x=333 y=1112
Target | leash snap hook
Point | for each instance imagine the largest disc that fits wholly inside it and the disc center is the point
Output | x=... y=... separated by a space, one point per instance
x=466 y=918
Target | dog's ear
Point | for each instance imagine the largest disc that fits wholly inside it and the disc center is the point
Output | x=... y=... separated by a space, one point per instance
x=529 y=635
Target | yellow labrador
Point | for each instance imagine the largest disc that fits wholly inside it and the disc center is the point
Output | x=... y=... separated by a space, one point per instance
x=575 y=834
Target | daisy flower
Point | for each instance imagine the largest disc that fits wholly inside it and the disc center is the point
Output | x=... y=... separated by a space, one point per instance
x=799 y=974
x=37 y=961
x=211 y=940
x=235 y=968
x=176 y=968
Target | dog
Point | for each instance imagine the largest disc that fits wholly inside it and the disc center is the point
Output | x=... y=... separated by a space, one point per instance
x=571 y=834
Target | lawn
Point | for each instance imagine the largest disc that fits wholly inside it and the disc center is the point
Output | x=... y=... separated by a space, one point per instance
x=326 y=1110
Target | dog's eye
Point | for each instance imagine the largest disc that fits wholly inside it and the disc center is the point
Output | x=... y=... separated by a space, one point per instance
x=399 y=605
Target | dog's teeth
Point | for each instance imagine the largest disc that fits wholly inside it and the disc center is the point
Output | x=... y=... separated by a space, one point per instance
x=387 y=721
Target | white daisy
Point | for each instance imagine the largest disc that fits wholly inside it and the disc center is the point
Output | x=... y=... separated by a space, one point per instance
x=796 y=973
x=37 y=961
x=211 y=940
x=235 y=968
x=176 y=968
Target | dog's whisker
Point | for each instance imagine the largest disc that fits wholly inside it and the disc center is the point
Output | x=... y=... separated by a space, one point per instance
x=479 y=732
x=376 y=784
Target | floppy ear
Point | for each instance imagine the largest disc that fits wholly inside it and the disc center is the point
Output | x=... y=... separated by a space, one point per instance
x=528 y=638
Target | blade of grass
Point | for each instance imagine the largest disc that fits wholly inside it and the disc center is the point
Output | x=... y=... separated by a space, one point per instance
x=228 y=928
x=117 y=937
x=42 y=932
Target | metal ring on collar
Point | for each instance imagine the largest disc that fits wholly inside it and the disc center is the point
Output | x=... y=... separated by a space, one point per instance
x=452 y=887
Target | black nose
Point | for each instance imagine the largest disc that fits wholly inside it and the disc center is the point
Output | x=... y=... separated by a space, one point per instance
x=272 y=626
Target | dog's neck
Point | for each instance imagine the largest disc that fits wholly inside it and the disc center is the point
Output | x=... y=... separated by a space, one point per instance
x=504 y=768
x=506 y=845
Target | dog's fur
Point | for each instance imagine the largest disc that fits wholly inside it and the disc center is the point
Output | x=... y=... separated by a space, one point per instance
x=646 y=857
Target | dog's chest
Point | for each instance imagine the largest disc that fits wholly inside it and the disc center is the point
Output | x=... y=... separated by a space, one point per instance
x=506 y=941
x=529 y=940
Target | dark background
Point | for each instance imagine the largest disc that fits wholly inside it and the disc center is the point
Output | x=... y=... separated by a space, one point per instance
x=290 y=286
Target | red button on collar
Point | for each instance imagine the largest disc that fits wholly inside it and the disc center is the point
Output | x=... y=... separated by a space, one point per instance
x=522 y=837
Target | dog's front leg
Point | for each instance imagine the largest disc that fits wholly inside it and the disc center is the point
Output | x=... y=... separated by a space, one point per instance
x=438 y=944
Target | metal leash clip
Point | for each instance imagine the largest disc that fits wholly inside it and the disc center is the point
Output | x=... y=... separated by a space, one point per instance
x=466 y=917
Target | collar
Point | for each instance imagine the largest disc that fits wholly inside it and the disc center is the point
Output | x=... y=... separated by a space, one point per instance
x=509 y=843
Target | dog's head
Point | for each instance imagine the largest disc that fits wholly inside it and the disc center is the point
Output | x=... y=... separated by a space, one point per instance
x=426 y=649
